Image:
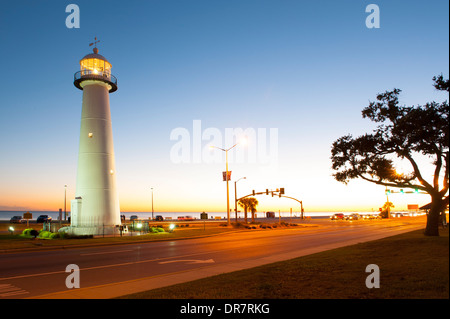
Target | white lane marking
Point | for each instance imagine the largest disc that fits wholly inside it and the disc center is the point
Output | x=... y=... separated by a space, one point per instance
x=189 y=261
x=99 y=267
x=106 y=252
x=7 y=290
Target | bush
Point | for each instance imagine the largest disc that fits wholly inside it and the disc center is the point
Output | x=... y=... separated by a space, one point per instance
x=33 y=233
x=44 y=234
x=54 y=235
x=160 y=230
x=27 y=231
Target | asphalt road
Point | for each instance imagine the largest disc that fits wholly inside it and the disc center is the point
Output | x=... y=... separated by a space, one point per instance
x=111 y=271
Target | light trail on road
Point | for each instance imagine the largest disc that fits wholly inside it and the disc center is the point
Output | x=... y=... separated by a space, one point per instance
x=43 y=273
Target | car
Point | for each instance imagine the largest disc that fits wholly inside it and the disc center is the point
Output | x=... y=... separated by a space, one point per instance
x=159 y=218
x=133 y=217
x=337 y=216
x=16 y=220
x=353 y=217
x=43 y=219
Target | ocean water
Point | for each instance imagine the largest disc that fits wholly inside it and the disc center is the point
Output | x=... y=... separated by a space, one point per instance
x=6 y=215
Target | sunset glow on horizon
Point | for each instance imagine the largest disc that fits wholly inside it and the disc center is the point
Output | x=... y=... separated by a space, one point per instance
x=289 y=77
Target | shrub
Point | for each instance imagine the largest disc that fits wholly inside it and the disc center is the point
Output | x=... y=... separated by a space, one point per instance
x=160 y=230
x=54 y=235
x=27 y=231
x=44 y=234
x=33 y=233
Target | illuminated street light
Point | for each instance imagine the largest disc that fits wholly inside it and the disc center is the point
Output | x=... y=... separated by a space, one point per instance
x=235 y=197
x=227 y=176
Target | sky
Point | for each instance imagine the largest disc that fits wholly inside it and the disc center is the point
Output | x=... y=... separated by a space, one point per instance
x=294 y=76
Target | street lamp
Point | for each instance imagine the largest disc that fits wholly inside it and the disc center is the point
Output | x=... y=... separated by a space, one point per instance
x=65 y=192
x=387 y=203
x=152 y=203
x=227 y=178
x=235 y=196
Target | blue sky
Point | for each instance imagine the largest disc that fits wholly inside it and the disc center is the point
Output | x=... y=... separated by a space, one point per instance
x=306 y=68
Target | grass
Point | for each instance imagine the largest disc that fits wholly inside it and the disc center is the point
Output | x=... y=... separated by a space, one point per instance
x=412 y=266
x=9 y=243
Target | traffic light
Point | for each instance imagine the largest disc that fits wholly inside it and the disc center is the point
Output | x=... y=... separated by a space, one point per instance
x=282 y=191
x=416 y=191
x=401 y=191
x=267 y=192
x=253 y=192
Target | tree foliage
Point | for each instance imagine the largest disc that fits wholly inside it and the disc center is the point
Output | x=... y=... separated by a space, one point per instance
x=249 y=204
x=403 y=133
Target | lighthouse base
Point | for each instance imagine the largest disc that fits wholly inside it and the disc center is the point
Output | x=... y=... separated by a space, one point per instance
x=93 y=230
x=82 y=223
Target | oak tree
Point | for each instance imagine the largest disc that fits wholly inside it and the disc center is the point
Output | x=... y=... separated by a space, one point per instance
x=403 y=134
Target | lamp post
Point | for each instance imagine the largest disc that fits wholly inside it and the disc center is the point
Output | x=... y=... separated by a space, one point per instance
x=152 y=203
x=65 y=192
x=387 y=203
x=235 y=196
x=226 y=178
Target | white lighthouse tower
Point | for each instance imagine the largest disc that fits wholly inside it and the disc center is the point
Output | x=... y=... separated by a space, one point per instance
x=95 y=209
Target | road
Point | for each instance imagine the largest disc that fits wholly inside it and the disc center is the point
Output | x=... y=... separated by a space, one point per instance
x=111 y=271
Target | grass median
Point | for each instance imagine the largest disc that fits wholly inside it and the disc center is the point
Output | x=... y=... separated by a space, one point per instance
x=411 y=265
x=11 y=243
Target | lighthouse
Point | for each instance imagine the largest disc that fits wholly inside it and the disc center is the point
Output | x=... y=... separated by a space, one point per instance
x=95 y=209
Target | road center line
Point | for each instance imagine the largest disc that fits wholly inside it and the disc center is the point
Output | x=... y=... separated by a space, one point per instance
x=106 y=252
x=105 y=266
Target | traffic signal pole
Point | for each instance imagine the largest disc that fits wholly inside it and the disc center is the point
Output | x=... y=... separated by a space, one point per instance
x=281 y=194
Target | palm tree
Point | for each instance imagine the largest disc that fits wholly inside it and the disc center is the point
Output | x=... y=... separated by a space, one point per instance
x=249 y=204
x=386 y=209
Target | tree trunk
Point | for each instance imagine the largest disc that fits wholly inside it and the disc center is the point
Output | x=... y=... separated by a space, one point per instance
x=433 y=216
x=245 y=214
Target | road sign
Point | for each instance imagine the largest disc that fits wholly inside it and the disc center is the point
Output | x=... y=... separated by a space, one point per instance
x=27 y=216
x=224 y=174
